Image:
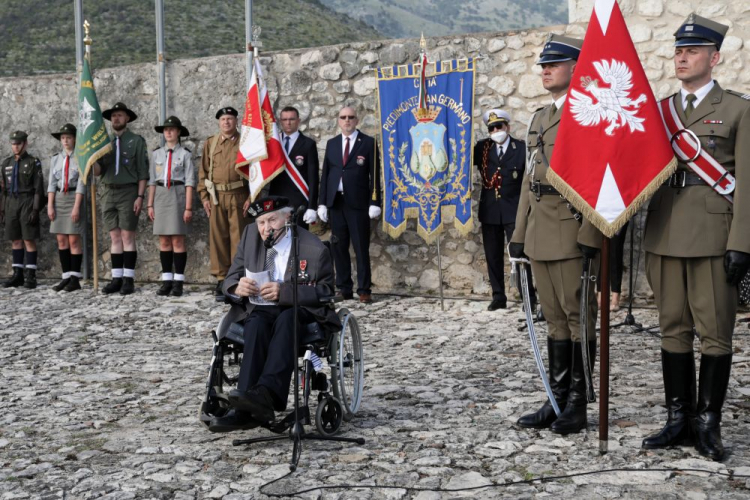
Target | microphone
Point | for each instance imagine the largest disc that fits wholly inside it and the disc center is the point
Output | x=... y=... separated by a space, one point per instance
x=299 y=212
x=274 y=237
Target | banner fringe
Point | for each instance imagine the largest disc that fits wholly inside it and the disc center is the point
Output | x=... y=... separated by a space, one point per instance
x=93 y=159
x=429 y=236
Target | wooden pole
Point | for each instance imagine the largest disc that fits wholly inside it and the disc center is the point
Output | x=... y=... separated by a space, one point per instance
x=94 y=232
x=604 y=351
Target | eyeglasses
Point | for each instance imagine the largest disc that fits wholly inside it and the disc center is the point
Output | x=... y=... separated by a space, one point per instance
x=495 y=127
x=347 y=117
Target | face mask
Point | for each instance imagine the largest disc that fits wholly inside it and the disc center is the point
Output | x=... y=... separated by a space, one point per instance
x=499 y=136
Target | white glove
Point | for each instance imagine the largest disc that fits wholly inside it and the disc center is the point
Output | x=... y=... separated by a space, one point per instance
x=310 y=216
x=323 y=213
x=374 y=212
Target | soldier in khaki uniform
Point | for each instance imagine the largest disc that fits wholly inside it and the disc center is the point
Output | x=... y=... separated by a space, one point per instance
x=23 y=188
x=698 y=245
x=555 y=240
x=224 y=194
x=124 y=174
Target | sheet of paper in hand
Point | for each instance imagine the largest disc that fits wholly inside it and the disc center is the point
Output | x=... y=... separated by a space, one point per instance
x=260 y=279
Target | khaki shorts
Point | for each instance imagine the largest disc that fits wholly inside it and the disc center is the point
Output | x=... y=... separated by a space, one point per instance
x=17 y=212
x=117 y=207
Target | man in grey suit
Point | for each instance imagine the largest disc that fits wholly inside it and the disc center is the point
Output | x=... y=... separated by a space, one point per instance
x=268 y=356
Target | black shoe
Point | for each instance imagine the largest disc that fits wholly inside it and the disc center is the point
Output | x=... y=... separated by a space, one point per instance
x=712 y=389
x=497 y=304
x=29 y=278
x=559 y=352
x=113 y=286
x=346 y=295
x=165 y=288
x=257 y=401
x=61 y=285
x=234 y=420
x=678 y=370
x=218 y=292
x=16 y=279
x=73 y=285
x=128 y=286
x=574 y=418
x=176 y=289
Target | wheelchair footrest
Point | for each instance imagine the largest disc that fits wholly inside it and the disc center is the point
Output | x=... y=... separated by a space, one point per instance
x=287 y=422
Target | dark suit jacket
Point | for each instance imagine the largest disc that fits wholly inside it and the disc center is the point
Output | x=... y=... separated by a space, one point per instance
x=502 y=210
x=360 y=175
x=304 y=156
x=313 y=255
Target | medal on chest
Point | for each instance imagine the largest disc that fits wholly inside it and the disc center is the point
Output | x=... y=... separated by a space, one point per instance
x=303 y=275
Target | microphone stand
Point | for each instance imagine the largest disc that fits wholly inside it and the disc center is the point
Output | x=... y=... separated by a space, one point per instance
x=297 y=431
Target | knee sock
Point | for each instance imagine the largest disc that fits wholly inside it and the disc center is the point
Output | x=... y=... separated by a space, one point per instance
x=180 y=260
x=75 y=264
x=18 y=257
x=128 y=260
x=117 y=265
x=30 y=260
x=166 y=265
x=65 y=262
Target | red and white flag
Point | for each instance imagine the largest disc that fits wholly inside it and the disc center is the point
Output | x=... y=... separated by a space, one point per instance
x=611 y=154
x=260 y=157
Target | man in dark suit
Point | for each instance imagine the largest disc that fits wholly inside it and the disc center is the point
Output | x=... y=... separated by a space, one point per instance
x=268 y=356
x=350 y=194
x=303 y=153
x=500 y=160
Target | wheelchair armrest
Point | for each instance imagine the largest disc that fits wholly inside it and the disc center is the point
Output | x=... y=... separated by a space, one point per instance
x=333 y=299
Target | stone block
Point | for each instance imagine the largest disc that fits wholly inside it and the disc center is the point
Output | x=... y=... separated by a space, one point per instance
x=495 y=45
x=530 y=86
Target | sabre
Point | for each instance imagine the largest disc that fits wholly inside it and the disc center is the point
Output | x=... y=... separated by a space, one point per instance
x=586 y=278
x=530 y=323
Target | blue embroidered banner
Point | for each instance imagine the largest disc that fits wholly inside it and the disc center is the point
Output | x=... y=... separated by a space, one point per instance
x=427 y=152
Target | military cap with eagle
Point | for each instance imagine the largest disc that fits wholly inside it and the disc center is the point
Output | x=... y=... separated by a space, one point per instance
x=495 y=116
x=560 y=48
x=697 y=30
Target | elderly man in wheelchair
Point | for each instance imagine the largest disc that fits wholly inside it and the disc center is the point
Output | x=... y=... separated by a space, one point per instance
x=259 y=286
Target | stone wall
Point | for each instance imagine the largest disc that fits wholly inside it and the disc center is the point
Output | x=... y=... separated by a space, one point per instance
x=320 y=81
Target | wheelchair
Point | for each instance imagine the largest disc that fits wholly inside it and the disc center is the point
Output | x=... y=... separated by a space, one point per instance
x=339 y=393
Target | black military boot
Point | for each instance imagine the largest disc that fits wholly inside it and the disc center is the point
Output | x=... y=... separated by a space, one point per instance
x=177 y=289
x=16 y=279
x=573 y=418
x=61 y=285
x=165 y=288
x=218 y=292
x=73 y=285
x=559 y=352
x=714 y=379
x=29 y=278
x=114 y=286
x=128 y=286
x=678 y=370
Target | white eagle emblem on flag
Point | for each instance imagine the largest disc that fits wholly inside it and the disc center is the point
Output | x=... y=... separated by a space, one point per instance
x=611 y=103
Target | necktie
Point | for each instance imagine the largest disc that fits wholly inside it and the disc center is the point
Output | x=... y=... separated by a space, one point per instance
x=66 y=172
x=117 y=154
x=14 y=180
x=499 y=151
x=552 y=110
x=271 y=263
x=346 y=151
x=286 y=144
x=690 y=106
x=169 y=168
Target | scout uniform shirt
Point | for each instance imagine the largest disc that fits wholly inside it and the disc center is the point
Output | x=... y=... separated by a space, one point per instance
x=27 y=179
x=56 y=181
x=133 y=160
x=182 y=171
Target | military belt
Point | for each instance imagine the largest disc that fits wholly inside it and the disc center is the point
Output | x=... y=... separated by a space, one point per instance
x=172 y=183
x=119 y=186
x=229 y=187
x=540 y=189
x=683 y=179
x=20 y=191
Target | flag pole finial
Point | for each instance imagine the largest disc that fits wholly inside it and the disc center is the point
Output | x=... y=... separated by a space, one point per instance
x=86 y=27
x=423 y=43
x=255 y=42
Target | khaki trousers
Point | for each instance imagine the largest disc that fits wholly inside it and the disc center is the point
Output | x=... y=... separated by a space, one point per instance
x=225 y=228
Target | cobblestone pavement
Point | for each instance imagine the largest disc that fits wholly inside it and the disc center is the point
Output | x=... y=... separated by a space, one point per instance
x=100 y=395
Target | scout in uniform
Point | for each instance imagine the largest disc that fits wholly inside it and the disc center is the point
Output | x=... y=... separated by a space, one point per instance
x=224 y=194
x=698 y=243
x=124 y=174
x=170 y=203
x=65 y=192
x=23 y=188
x=501 y=160
x=556 y=240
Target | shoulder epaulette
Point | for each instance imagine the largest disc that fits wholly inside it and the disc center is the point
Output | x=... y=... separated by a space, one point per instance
x=539 y=109
x=187 y=149
x=738 y=94
x=157 y=147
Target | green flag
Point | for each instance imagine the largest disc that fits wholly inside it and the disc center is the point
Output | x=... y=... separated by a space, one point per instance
x=92 y=141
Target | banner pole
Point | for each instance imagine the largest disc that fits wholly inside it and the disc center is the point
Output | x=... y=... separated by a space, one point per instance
x=161 y=63
x=94 y=233
x=440 y=274
x=604 y=351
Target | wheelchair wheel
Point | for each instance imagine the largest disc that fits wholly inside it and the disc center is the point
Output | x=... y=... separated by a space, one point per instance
x=221 y=378
x=328 y=417
x=347 y=365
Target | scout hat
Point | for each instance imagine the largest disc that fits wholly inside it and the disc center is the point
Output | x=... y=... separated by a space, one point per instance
x=18 y=136
x=229 y=110
x=65 y=129
x=560 y=48
x=119 y=107
x=697 y=30
x=495 y=117
x=267 y=205
x=175 y=122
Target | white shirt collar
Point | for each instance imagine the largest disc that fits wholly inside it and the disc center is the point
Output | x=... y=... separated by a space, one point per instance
x=559 y=102
x=292 y=137
x=700 y=94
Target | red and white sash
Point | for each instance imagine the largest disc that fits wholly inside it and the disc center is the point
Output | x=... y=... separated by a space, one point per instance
x=687 y=148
